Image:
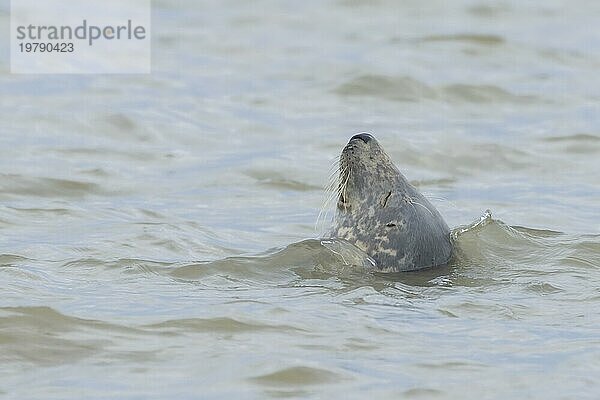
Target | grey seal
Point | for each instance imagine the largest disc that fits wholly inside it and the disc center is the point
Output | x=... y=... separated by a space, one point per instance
x=381 y=213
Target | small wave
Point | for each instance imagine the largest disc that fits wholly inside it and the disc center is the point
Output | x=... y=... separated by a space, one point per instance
x=481 y=94
x=480 y=39
x=50 y=318
x=580 y=143
x=484 y=220
x=487 y=232
x=404 y=89
x=126 y=265
x=221 y=324
x=9 y=259
x=488 y=10
x=589 y=244
x=540 y=261
x=298 y=376
x=543 y=288
x=12 y=184
x=278 y=181
x=578 y=137
x=407 y=89
x=99 y=153
x=44 y=336
x=422 y=393
x=332 y=255
x=120 y=121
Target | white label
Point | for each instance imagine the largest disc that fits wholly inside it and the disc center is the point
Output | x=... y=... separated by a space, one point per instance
x=80 y=36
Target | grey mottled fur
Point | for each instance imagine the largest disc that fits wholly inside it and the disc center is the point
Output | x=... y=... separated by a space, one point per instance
x=384 y=215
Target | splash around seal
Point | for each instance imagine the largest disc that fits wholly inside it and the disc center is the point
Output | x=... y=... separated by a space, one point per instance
x=381 y=213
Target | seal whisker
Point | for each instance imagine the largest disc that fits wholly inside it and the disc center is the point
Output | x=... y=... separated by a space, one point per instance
x=333 y=181
x=430 y=196
x=338 y=180
x=324 y=211
x=332 y=190
x=413 y=201
x=333 y=168
x=330 y=197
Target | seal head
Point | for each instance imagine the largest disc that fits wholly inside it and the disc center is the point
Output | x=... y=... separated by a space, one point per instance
x=384 y=215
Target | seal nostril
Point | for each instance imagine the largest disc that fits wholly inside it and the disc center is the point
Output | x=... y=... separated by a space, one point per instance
x=365 y=137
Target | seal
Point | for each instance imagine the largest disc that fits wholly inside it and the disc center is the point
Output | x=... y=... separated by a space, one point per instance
x=381 y=213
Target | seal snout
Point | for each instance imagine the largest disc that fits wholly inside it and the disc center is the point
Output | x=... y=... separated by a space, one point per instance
x=365 y=137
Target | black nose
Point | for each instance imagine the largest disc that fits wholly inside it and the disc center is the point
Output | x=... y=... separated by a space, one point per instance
x=365 y=137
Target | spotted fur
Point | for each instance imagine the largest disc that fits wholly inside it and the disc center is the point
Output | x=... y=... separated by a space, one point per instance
x=384 y=215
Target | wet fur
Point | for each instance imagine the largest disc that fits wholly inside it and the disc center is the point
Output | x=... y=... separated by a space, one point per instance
x=384 y=215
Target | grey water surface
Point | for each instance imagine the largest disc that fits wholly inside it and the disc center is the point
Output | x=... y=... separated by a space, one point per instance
x=159 y=235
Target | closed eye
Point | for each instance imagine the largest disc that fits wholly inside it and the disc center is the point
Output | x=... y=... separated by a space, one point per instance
x=385 y=200
x=390 y=224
